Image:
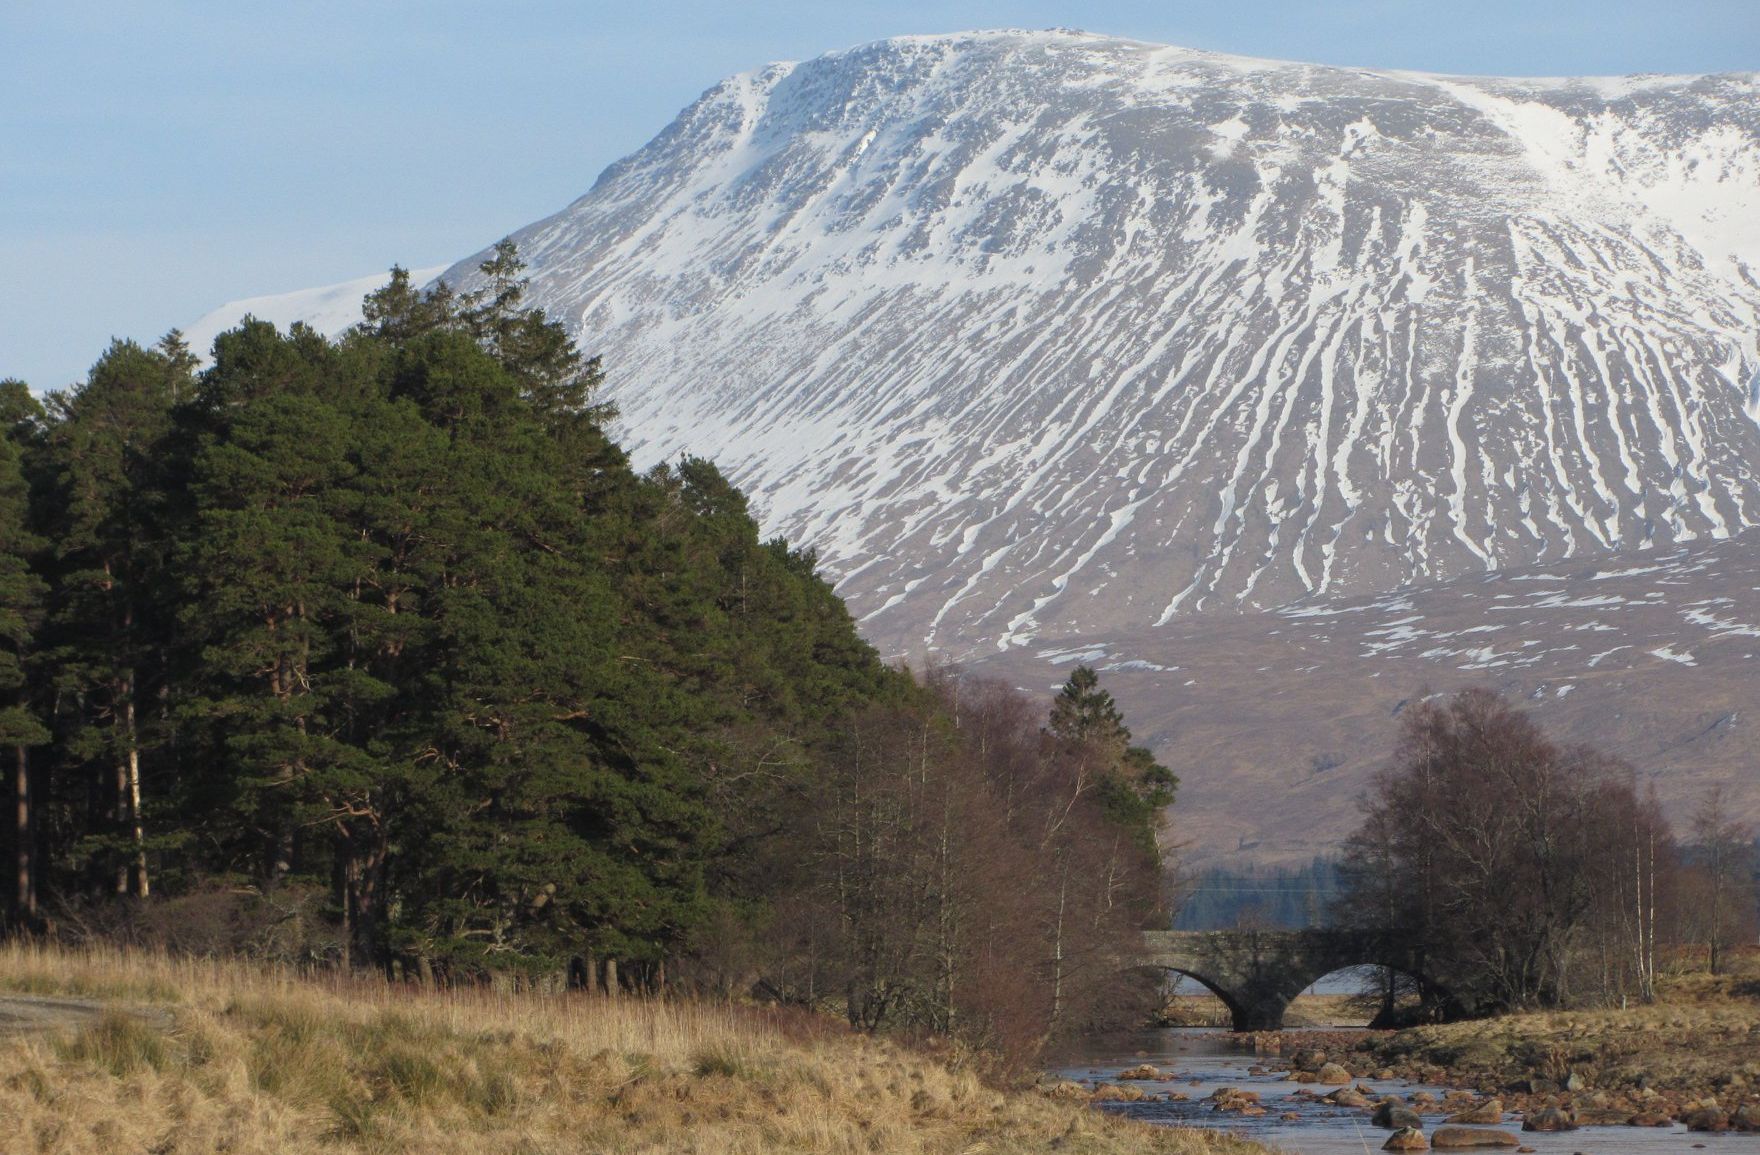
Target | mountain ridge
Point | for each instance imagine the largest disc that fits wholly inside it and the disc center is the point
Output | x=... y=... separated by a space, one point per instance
x=801 y=226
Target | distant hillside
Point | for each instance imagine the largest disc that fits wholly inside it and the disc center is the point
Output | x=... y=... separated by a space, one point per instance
x=1275 y=721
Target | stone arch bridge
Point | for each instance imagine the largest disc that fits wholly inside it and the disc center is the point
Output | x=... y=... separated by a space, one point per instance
x=1257 y=973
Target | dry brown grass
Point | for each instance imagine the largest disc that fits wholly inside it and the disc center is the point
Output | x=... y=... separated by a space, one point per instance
x=1700 y=1032
x=245 y=1060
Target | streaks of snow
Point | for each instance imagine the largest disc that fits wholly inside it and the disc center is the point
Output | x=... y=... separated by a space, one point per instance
x=1457 y=405
x=1082 y=655
x=1670 y=654
x=1560 y=600
x=1628 y=571
x=919 y=303
x=1720 y=627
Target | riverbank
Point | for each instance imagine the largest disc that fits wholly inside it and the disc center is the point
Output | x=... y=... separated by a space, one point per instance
x=1693 y=1057
x=176 y=1056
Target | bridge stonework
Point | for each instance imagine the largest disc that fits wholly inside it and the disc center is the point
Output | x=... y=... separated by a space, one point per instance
x=1257 y=973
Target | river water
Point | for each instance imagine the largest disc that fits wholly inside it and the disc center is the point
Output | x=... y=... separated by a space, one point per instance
x=1201 y=1061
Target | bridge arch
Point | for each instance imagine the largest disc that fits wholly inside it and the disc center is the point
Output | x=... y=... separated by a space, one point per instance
x=1258 y=973
x=1389 y=996
x=1236 y=1010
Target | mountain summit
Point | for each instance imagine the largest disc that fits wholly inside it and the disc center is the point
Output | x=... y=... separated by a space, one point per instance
x=1046 y=333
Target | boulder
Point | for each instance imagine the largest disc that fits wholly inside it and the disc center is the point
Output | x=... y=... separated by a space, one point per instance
x=1332 y=1075
x=1311 y=1059
x=1549 y=1119
x=1469 y=1137
x=1348 y=1097
x=1064 y=1089
x=1395 y=1116
x=1746 y=1118
x=1235 y=1099
x=1406 y=1139
x=1600 y=1117
x=1222 y=1093
x=1144 y=1071
x=1707 y=1119
x=1649 y=1119
x=1490 y=1111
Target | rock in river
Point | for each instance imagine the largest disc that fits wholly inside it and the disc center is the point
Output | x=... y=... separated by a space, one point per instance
x=1406 y=1139
x=1549 y=1119
x=1468 y=1137
x=1396 y=1116
x=1490 y=1111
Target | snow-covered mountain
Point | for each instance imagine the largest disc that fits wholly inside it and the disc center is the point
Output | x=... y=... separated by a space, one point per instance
x=1043 y=333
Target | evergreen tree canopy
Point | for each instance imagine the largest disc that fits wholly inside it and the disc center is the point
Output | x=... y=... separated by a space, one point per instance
x=1135 y=786
x=385 y=634
x=392 y=616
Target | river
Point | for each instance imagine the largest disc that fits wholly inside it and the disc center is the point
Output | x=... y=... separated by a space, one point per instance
x=1202 y=1061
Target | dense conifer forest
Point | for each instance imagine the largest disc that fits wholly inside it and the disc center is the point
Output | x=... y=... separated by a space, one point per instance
x=375 y=652
x=1269 y=897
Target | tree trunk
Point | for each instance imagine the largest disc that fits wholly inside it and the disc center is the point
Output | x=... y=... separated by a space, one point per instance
x=342 y=888
x=119 y=814
x=361 y=874
x=25 y=897
x=142 y=887
x=1057 y=950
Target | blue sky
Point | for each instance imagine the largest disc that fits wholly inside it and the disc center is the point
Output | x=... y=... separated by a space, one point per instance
x=158 y=159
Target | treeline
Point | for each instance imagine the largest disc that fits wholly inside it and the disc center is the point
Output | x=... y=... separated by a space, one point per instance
x=375 y=652
x=1524 y=873
x=1269 y=897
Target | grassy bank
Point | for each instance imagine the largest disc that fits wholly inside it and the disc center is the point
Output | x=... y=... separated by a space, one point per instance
x=1698 y=1044
x=183 y=1056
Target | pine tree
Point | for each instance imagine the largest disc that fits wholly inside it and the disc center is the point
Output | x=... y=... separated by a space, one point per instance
x=108 y=508
x=22 y=594
x=1133 y=785
x=266 y=579
x=1086 y=715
